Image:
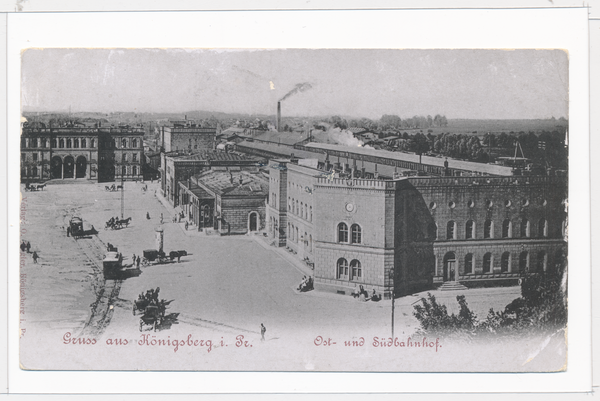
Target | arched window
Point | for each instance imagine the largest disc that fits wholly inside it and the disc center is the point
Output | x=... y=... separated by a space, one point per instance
x=69 y=143
x=356 y=234
x=83 y=143
x=542 y=262
x=355 y=270
x=53 y=142
x=342 y=268
x=310 y=243
x=297 y=207
x=92 y=143
x=505 y=262
x=289 y=232
x=487 y=263
x=469 y=263
x=470 y=229
x=124 y=157
x=451 y=230
x=134 y=143
x=61 y=143
x=134 y=169
x=506 y=229
x=289 y=204
x=296 y=235
x=124 y=142
x=302 y=209
x=305 y=239
x=124 y=170
x=342 y=232
x=432 y=231
x=524 y=262
x=293 y=206
x=543 y=228
x=76 y=143
x=524 y=228
x=488 y=229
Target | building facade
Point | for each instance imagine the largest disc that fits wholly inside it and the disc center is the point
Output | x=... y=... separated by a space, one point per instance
x=190 y=138
x=409 y=234
x=103 y=154
x=225 y=201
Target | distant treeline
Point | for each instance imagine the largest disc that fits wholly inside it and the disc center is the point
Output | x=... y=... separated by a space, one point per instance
x=390 y=122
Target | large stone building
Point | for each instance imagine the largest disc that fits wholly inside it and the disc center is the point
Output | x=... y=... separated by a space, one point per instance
x=187 y=137
x=227 y=201
x=409 y=234
x=103 y=154
x=179 y=166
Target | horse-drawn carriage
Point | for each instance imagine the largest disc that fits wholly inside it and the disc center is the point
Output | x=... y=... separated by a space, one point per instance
x=34 y=187
x=112 y=263
x=112 y=188
x=153 y=310
x=154 y=256
x=116 y=223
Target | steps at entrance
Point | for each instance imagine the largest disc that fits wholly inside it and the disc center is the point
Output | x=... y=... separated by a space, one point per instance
x=452 y=286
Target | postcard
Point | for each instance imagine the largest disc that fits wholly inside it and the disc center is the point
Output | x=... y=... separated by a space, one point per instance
x=294 y=210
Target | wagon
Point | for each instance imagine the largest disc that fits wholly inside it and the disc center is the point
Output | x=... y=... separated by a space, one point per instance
x=76 y=226
x=112 y=263
x=151 y=317
x=152 y=255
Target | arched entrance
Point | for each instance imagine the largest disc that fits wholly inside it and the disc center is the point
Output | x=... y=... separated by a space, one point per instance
x=56 y=166
x=253 y=221
x=80 y=167
x=69 y=167
x=450 y=266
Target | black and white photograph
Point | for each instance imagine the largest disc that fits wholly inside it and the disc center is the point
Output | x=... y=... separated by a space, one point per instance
x=299 y=210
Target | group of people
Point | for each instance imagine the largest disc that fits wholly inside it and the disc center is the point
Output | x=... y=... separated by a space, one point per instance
x=112 y=223
x=363 y=294
x=136 y=261
x=26 y=247
x=306 y=284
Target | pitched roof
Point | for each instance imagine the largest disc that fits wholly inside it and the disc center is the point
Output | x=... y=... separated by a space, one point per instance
x=221 y=182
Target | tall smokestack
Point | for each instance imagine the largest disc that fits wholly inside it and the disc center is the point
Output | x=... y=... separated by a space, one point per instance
x=279 y=116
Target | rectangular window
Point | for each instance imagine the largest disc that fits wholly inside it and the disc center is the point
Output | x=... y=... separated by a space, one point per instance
x=23 y=156
x=35 y=157
x=135 y=157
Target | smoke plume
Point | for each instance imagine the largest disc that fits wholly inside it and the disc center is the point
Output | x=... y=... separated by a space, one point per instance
x=343 y=137
x=303 y=87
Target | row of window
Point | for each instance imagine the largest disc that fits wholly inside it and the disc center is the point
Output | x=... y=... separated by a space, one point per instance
x=300 y=209
x=489 y=203
x=506 y=262
x=74 y=143
x=352 y=272
x=294 y=236
x=488 y=229
x=354 y=236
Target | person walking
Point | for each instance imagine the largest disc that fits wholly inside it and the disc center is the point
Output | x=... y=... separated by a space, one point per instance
x=263 y=330
x=148 y=215
x=35 y=257
x=28 y=246
x=137 y=262
x=68 y=231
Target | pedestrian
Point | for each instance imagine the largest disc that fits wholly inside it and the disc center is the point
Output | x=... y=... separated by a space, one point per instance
x=28 y=246
x=263 y=330
x=23 y=246
x=137 y=262
x=133 y=264
x=35 y=257
x=147 y=215
x=178 y=257
x=68 y=231
x=186 y=226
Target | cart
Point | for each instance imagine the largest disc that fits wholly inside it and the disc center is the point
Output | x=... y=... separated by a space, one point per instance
x=152 y=255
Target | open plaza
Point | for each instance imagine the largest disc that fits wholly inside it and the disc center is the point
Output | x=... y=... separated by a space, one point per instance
x=224 y=288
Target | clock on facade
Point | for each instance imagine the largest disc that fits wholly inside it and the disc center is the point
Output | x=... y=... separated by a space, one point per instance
x=349 y=207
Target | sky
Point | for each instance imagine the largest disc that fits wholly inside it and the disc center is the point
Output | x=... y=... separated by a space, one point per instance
x=476 y=84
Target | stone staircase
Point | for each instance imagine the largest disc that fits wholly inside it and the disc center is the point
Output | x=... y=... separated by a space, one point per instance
x=452 y=286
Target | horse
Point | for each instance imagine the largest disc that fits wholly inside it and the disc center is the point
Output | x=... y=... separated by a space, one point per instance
x=124 y=221
x=40 y=187
x=119 y=187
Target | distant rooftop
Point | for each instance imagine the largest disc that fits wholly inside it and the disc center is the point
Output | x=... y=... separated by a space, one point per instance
x=228 y=183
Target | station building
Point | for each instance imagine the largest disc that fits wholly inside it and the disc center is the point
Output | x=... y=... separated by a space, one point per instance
x=226 y=200
x=410 y=234
x=103 y=154
x=187 y=136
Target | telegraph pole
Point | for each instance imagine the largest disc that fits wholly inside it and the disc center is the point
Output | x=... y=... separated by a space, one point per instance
x=393 y=300
x=122 y=195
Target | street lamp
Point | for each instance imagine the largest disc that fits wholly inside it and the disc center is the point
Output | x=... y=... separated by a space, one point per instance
x=393 y=291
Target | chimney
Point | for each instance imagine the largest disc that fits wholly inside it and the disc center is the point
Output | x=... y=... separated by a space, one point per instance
x=241 y=180
x=279 y=116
